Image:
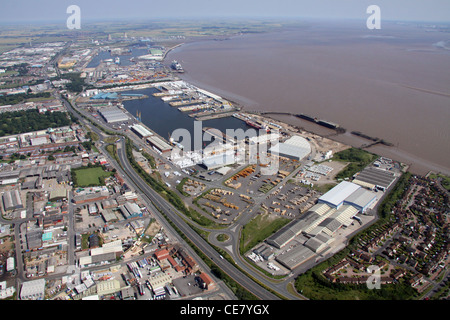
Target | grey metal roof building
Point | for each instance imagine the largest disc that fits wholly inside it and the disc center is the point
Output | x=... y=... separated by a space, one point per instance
x=315 y=245
x=284 y=235
x=31 y=172
x=264 y=251
x=34 y=238
x=361 y=199
x=321 y=217
x=33 y=290
x=12 y=200
x=108 y=216
x=159 y=144
x=378 y=178
x=108 y=256
x=32 y=184
x=334 y=210
x=331 y=224
x=141 y=131
x=293 y=229
x=9 y=175
x=294 y=257
x=295 y=147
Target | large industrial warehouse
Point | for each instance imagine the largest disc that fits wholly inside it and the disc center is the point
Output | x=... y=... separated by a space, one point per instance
x=295 y=147
x=317 y=227
x=336 y=196
x=218 y=161
x=12 y=200
x=113 y=114
x=375 y=178
x=141 y=131
x=361 y=199
x=159 y=144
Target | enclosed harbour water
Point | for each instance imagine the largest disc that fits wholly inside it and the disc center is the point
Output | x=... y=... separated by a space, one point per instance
x=165 y=119
x=159 y=115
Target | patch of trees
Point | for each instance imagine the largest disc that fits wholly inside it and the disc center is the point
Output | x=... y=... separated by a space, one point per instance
x=395 y=195
x=21 y=97
x=76 y=84
x=357 y=158
x=31 y=120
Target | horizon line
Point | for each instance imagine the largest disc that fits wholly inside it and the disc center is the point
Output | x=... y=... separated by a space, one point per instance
x=138 y=20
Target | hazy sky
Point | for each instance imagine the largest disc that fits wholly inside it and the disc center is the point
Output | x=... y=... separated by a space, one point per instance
x=55 y=10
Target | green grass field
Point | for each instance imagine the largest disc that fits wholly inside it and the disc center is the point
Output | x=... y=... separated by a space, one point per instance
x=358 y=159
x=445 y=180
x=90 y=176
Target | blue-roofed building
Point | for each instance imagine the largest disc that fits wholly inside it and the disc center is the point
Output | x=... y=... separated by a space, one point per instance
x=105 y=96
x=47 y=236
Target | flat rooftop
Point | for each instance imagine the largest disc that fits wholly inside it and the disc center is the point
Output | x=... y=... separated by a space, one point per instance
x=376 y=177
x=361 y=198
x=294 y=257
x=141 y=130
x=159 y=143
x=113 y=114
x=336 y=196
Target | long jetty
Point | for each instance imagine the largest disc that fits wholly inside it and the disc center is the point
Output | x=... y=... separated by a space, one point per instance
x=320 y=122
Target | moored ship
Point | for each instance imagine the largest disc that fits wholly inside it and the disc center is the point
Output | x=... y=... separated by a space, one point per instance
x=176 y=66
x=256 y=125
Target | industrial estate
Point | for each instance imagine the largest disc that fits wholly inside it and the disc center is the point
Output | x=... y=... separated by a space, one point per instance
x=99 y=203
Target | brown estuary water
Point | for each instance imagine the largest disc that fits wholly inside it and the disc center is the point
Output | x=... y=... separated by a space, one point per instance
x=392 y=83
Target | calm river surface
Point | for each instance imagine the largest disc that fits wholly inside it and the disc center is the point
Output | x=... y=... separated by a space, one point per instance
x=392 y=83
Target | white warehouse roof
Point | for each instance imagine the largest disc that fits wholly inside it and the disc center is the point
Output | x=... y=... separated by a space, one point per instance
x=294 y=147
x=361 y=198
x=33 y=290
x=336 y=196
x=298 y=142
x=219 y=160
x=264 y=138
x=141 y=130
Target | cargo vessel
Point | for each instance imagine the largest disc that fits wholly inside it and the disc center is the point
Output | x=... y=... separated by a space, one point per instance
x=306 y=117
x=256 y=125
x=193 y=108
x=176 y=66
x=324 y=123
x=328 y=124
